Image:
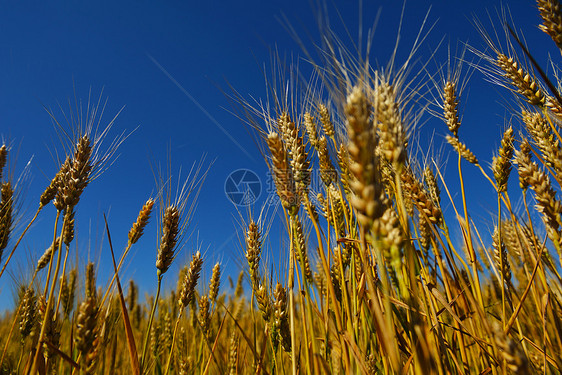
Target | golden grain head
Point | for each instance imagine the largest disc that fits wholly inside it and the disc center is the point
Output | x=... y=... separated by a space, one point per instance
x=544 y=138
x=78 y=177
x=328 y=173
x=389 y=124
x=28 y=313
x=137 y=229
x=68 y=292
x=46 y=257
x=301 y=249
x=190 y=281
x=500 y=256
x=311 y=129
x=91 y=288
x=552 y=19
x=382 y=274
x=253 y=251
x=523 y=161
x=298 y=156
x=525 y=84
x=281 y=317
x=168 y=239
x=462 y=150
x=501 y=164
x=204 y=314
x=263 y=301
x=450 y=107
x=6 y=214
x=54 y=192
x=68 y=233
x=214 y=284
x=325 y=118
x=366 y=187
x=283 y=173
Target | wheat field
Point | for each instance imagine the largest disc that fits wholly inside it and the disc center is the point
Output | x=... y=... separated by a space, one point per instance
x=371 y=280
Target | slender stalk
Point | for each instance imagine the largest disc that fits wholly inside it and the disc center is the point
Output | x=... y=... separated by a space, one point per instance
x=304 y=309
x=52 y=256
x=501 y=258
x=16 y=315
x=19 y=360
x=476 y=283
x=173 y=342
x=115 y=275
x=51 y=294
x=63 y=276
x=326 y=267
x=147 y=334
x=290 y=285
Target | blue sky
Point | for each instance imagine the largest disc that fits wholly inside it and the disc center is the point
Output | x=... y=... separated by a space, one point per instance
x=169 y=64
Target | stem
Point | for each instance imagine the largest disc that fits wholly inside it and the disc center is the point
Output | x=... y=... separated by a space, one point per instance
x=470 y=247
x=502 y=266
x=331 y=295
x=19 y=360
x=115 y=274
x=63 y=276
x=290 y=285
x=52 y=256
x=147 y=335
x=301 y=291
x=173 y=342
x=326 y=266
x=11 y=332
x=51 y=293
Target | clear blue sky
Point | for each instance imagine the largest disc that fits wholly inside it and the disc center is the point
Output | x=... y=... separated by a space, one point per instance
x=46 y=48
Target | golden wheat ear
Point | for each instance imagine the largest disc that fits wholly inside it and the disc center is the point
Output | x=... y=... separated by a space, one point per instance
x=281 y=317
x=552 y=20
x=283 y=173
x=6 y=214
x=190 y=280
x=169 y=239
x=29 y=313
x=214 y=283
x=451 y=107
x=253 y=253
x=545 y=140
x=552 y=103
x=462 y=150
x=366 y=187
x=327 y=170
x=137 y=229
x=501 y=164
